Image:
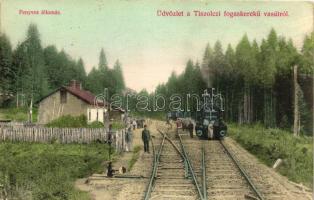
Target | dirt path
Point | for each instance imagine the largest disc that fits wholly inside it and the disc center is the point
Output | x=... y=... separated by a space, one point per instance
x=102 y=188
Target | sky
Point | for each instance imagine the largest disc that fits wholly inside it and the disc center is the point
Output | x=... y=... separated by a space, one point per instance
x=149 y=47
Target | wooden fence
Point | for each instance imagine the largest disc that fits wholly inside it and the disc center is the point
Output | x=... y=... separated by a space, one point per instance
x=61 y=135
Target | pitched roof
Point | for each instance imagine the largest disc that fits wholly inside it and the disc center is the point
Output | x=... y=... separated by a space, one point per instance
x=88 y=97
x=75 y=89
x=84 y=95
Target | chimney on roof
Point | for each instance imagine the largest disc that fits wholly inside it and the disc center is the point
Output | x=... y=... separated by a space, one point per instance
x=75 y=84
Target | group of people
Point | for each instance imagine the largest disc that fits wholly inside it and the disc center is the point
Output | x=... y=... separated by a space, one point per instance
x=132 y=125
x=187 y=125
x=146 y=133
x=128 y=142
x=145 y=138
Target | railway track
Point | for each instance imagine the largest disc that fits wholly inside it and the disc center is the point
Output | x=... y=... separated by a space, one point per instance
x=227 y=179
x=186 y=168
x=171 y=173
x=223 y=177
x=269 y=183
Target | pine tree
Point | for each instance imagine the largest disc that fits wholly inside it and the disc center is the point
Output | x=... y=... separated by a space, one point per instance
x=267 y=72
x=53 y=67
x=207 y=66
x=188 y=77
x=218 y=59
x=230 y=82
x=230 y=60
x=118 y=77
x=67 y=66
x=306 y=71
x=23 y=73
x=307 y=62
x=247 y=70
x=35 y=59
x=8 y=75
x=102 y=65
x=93 y=83
x=80 y=71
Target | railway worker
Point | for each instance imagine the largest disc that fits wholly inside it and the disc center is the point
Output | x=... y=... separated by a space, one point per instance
x=110 y=138
x=168 y=123
x=110 y=171
x=146 y=138
x=128 y=139
x=179 y=125
x=190 y=128
x=134 y=124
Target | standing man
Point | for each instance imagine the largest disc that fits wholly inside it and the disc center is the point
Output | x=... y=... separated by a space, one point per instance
x=110 y=139
x=134 y=124
x=168 y=123
x=179 y=125
x=191 y=128
x=146 y=138
x=128 y=139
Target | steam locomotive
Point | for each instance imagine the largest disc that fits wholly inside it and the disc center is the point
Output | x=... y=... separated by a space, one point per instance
x=209 y=120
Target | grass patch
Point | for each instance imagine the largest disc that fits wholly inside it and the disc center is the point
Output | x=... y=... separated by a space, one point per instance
x=270 y=144
x=48 y=171
x=18 y=114
x=135 y=156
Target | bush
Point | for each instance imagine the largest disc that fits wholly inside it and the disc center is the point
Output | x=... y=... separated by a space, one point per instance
x=48 y=171
x=95 y=125
x=270 y=144
x=69 y=121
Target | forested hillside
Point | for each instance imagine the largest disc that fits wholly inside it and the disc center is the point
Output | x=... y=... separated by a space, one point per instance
x=31 y=71
x=255 y=78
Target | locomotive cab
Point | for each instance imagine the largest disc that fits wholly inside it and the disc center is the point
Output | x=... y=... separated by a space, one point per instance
x=209 y=122
x=209 y=127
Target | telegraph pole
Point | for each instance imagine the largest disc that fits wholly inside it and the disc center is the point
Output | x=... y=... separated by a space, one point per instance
x=296 y=102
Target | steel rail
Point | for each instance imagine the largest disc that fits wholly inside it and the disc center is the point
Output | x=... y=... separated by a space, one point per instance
x=171 y=142
x=191 y=169
x=204 y=186
x=241 y=169
x=153 y=176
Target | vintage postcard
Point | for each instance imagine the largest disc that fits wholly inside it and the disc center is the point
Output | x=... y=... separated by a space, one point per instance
x=135 y=99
